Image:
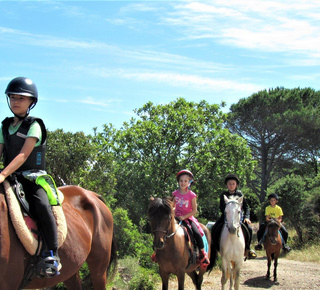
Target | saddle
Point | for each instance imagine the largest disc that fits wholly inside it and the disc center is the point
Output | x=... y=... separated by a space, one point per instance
x=23 y=223
x=192 y=244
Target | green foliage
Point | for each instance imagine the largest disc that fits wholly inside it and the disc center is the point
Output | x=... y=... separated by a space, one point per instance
x=73 y=158
x=129 y=240
x=300 y=202
x=67 y=155
x=167 y=138
x=132 y=276
x=281 y=127
x=144 y=280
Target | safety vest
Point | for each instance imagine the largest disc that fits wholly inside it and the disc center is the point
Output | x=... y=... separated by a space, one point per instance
x=14 y=143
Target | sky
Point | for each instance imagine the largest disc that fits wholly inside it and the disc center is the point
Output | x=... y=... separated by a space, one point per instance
x=95 y=62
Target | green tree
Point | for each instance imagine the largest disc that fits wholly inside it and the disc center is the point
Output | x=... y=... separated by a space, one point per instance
x=300 y=202
x=167 y=138
x=280 y=126
x=67 y=155
x=87 y=161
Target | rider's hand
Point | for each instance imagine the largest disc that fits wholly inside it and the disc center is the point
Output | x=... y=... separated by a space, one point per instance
x=2 y=178
x=247 y=221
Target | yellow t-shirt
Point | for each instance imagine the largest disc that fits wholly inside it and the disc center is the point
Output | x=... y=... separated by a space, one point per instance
x=273 y=212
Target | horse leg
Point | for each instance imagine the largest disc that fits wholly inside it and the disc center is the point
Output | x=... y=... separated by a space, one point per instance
x=74 y=282
x=236 y=272
x=196 y=279
x=180 y=281
x=98 y=270
x=269 y=264
x=225 y=273
x=275 y=270
x=232 y=274
x=165 y=279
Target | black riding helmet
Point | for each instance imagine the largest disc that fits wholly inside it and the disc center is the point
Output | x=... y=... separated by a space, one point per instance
x=232 y=177
x=273 y=195
x=24 y=87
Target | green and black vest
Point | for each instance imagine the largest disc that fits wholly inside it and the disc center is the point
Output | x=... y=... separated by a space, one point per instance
x=14 y=143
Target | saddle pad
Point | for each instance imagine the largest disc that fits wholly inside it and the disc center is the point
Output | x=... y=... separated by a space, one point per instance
x=24 y=234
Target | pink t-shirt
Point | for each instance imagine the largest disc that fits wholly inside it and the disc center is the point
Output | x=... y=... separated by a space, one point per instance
x=184 y=206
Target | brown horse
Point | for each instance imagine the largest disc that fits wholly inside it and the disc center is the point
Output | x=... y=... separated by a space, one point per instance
x=89 y=239
x=172 y=252
x=273 y=245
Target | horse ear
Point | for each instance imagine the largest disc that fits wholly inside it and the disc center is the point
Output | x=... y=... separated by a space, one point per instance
x=240 y=200
x=151 y=198
x=226 y=200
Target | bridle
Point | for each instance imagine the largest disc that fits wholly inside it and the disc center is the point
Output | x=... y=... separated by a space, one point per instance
x=238 y=225
x=166 y=232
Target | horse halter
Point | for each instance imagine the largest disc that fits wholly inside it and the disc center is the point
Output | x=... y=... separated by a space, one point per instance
x=238 y=225
x=166 y=232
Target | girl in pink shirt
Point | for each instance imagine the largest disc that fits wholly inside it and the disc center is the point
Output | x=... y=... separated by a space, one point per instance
x=186 y=208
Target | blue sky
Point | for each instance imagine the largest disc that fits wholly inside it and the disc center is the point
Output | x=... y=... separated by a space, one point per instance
x=94 y=62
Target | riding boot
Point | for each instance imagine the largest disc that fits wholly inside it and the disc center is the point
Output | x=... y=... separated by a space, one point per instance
x=286 y=248
x=154 y=257
x=204 y=259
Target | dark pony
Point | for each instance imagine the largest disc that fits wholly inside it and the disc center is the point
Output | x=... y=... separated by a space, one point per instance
x=89 y=239
x=172 y=251
x=273 y=245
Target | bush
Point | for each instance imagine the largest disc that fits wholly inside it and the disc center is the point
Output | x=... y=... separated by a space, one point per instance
x=144 y=280
x=132 y=276
x=129 y=240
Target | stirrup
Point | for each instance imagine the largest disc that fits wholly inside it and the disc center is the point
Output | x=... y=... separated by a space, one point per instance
x=49 y=265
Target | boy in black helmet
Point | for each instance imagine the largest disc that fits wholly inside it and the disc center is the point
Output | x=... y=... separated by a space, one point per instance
x=273 y=211
x=22 y=143
x=232 y=182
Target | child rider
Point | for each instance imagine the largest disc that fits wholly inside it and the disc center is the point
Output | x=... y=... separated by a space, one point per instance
x=186 y=208
x=273 y=211
x=22 y=143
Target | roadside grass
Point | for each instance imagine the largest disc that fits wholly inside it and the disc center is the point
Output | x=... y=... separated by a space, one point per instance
x=308 y=252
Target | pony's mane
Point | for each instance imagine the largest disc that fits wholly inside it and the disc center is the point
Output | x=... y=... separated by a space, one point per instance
x=160 y=207
x=274 y=222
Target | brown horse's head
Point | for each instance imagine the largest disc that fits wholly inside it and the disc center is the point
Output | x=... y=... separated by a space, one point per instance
x=161 y=216
x=273 y=228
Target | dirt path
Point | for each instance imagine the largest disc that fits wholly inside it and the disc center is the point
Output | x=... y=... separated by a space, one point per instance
x=291 y=275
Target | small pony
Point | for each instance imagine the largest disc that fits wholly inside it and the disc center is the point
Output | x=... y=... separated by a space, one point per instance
x=273 y=245
x=172 y=250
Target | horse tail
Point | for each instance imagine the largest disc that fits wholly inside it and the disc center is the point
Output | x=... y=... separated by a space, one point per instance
x=214 y=248
x=113 y=265
x=213 y=258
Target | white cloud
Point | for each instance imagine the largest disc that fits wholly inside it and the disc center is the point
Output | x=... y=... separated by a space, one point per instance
x=283 y=26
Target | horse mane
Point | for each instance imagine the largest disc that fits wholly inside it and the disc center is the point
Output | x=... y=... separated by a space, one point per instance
x=274 y=222
x=160 y=206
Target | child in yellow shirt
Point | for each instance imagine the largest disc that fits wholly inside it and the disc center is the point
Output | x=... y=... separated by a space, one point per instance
x=273 y=211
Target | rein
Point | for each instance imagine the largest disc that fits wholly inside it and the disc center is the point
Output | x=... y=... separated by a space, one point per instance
x=166 y=236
